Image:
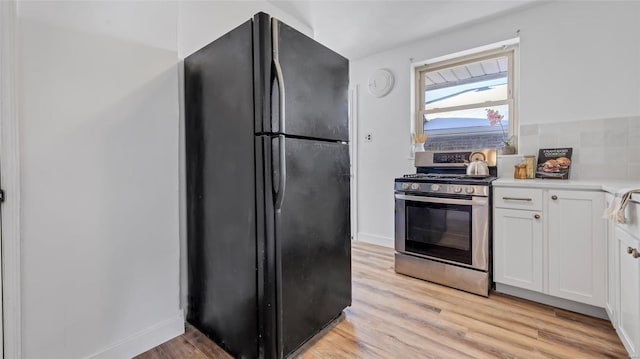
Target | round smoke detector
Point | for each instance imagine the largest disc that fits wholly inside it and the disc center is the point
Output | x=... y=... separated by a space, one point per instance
x=381 y=82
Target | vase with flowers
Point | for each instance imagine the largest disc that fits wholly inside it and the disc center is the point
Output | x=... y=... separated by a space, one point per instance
x=495 y=117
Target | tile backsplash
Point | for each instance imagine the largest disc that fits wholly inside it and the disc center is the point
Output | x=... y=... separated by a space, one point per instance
x=602 y=149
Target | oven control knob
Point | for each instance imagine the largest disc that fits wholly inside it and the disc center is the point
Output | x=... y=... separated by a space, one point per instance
x=415 y=186
x=469 y=190
x=435 y=187
x=457 y=189
x=405 y=186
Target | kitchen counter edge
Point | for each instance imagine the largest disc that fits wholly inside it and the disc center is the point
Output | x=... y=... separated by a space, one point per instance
x=616 y=188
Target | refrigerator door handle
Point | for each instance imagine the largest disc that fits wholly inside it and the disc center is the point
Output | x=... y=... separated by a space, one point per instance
x=279 y=78
x=282 y=181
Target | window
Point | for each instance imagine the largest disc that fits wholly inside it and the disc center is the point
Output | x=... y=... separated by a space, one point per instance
x=452 y=99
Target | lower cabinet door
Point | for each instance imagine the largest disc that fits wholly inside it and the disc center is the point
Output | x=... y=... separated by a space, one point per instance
x=611 y=300
x=629 y=319
x=517 y=248
x=577 y=246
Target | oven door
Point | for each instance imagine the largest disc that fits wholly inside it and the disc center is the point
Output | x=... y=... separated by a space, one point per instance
x=452 y=230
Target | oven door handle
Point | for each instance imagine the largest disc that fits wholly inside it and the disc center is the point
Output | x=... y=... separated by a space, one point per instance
x=482 y=201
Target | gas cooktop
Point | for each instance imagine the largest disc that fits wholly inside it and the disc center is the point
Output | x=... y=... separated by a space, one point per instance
x=446 y=178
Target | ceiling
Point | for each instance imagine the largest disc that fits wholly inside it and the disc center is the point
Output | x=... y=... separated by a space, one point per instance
x=360 y=28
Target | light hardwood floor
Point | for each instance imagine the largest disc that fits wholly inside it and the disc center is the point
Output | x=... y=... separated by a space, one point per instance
x=394 y=316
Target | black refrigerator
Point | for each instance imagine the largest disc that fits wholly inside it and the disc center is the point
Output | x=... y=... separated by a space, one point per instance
x=267 y=160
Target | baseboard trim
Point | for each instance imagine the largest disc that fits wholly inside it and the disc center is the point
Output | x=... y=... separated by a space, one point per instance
x=375 y=239
x=553 y=301
x=144 y=340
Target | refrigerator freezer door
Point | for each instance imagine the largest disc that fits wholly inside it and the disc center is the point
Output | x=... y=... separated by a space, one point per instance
x=313 y=245
x=310 y=87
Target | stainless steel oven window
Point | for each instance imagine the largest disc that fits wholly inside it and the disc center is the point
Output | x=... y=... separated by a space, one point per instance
x=439 y=230
x=479 y=227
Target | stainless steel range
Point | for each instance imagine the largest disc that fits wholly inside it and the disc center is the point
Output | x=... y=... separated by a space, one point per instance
x=443 y=221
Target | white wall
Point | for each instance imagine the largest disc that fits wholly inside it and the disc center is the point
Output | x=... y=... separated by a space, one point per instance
x=99 y=155
x=201 y=22
x=578 y=61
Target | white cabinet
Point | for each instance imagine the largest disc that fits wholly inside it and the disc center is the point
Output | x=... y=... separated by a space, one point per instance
x=611 y=299
x=552 y=242
x=576 y=246
x=570 y=253
x=628 y=325
x=518 y=252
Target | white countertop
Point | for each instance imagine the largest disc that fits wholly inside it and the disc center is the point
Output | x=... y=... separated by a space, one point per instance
x=611 y=186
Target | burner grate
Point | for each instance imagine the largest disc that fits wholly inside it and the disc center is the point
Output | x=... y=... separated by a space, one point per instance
x=435 y=176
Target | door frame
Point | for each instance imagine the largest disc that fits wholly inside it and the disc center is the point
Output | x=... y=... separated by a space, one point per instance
x=353 y=152
x=10 y=180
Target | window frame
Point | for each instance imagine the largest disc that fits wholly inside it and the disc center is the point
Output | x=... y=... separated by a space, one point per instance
x=420 y=88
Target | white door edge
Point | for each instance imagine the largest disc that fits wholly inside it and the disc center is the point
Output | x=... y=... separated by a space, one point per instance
x=10 y=182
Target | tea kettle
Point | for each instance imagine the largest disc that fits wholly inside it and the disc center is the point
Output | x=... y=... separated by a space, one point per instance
x=477 y=168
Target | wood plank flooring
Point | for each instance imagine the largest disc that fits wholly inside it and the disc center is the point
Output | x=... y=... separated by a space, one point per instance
x=394 y=316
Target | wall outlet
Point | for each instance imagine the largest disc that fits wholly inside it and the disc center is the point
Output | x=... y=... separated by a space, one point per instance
x=368 y=137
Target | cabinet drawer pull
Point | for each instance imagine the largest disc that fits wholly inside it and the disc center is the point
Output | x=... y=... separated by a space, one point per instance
x=635 y=253
x=554 y=197
x=517 y=199
x=629 y=250
x=536 y=216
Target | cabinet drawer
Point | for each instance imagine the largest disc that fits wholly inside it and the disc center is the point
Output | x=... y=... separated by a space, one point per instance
x=518 y=198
